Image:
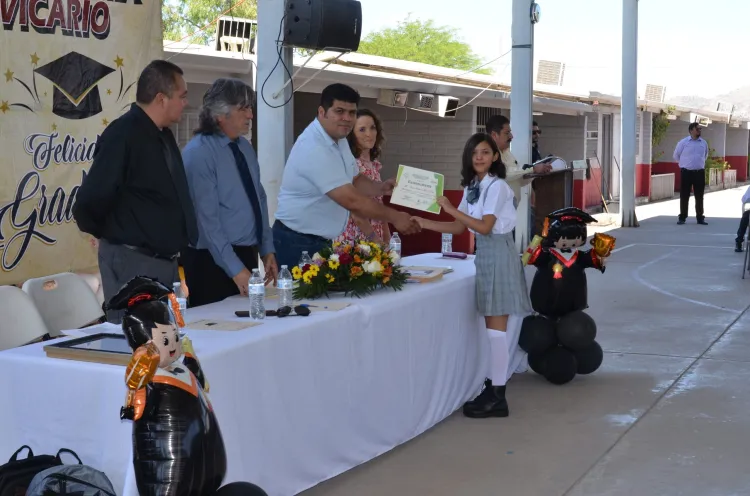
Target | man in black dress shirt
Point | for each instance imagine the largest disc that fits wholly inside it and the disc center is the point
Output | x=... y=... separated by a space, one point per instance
x=135 y=198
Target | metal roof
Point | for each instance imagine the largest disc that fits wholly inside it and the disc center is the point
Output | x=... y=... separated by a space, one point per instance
x=373 y=72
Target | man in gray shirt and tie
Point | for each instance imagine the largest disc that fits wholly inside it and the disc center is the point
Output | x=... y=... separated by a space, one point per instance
x=230 y=202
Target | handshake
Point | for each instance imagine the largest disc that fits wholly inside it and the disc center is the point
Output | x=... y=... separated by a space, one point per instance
x=409 y=224
x=406 y=224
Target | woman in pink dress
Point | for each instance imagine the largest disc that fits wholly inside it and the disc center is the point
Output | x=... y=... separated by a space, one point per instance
x=366 y=140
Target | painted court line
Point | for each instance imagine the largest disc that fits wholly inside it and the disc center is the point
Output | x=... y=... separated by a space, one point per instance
x=672 y=246
x=637 y=276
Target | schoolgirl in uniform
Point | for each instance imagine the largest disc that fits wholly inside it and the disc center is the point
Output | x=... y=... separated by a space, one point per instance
x=488 y=210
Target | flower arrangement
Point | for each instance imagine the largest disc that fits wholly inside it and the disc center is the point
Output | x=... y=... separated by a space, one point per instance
x=357 y=269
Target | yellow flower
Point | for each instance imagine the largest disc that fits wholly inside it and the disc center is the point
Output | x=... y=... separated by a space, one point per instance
x=297 y=273
x=307 y=278
x=314 y=269
x=330 y=278
x=333 y=265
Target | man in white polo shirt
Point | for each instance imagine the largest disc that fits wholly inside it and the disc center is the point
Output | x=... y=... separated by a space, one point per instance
x=691 y=153
x=321 y=183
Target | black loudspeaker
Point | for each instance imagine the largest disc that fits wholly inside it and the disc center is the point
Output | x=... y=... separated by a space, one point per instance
x=323 y=24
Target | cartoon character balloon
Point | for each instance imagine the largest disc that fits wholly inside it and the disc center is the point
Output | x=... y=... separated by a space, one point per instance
x=177 y=444
x=560 y=338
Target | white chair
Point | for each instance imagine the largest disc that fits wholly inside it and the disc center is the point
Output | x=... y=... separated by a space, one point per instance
x=65 y=301
x=20 y=321
x=95 y=283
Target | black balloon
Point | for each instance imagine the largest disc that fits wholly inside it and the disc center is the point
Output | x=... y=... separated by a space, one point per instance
x=537 y=334
x=589 y=359
x=241 y=489
x=536 y=362
x=559 y=365
x=576 y=330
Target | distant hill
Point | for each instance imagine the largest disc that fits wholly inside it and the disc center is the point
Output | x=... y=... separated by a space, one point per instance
x=740 y=97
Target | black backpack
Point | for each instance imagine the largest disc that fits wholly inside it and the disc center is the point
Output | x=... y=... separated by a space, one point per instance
x=16 y=475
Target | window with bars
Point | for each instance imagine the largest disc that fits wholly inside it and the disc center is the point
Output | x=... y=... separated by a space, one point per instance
x=183 y=131
x=483 y=115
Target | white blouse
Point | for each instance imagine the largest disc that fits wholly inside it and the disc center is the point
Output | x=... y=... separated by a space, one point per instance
x=495 y=198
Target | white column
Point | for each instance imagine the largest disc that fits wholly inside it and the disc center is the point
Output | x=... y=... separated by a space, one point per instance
x=275 y=125
x=521 y=97
x=616 y=154
x=629 y=111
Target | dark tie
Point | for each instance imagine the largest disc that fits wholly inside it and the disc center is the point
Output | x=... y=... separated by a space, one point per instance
x=247 y=182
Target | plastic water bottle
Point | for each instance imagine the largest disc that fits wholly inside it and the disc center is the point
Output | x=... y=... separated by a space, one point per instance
x=285 y=287
x=447 y=243
x=180 y=295
x=395 y=246
x=257 y=291
x=305 y=260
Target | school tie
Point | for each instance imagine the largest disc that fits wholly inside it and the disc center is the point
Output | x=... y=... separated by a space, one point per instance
x=247 y=182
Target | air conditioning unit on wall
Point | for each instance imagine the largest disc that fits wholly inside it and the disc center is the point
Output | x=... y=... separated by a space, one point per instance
x=440 y=105
x=447 y=106
x=393 y=98
x=421 y=101
x=408 y=99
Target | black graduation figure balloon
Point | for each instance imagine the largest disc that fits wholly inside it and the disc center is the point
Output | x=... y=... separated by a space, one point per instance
x=177 y=444
x=559 y=295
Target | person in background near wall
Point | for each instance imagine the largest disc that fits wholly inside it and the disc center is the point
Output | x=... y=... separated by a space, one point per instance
x=230 y=202
x=321 y=183
x=487 y=210
x=744 y=221
x=135 y=197
x=536 y=132
x=691 y=153
x=498 y=126
x=366 y=141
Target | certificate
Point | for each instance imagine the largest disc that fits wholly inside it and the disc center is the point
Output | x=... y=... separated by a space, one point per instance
x=418 y=189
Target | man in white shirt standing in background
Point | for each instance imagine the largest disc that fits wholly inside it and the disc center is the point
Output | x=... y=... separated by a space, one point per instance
x=691 y=153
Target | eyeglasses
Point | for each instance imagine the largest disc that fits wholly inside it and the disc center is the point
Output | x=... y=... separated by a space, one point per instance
x=538 y=131
x=286 y=311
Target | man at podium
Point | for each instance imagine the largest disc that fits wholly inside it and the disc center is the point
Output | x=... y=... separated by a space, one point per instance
x=498 y=126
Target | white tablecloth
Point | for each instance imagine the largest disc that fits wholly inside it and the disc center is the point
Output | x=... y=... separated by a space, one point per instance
x=299 y=399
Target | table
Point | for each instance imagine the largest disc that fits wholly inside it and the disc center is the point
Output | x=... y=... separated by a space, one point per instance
x=299 y=400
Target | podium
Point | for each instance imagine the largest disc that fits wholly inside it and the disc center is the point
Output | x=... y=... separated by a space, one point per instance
x=552 y=191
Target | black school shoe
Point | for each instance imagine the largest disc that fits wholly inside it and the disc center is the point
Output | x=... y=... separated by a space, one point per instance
x=491 y=402
x=738 y=246
x=703 y=222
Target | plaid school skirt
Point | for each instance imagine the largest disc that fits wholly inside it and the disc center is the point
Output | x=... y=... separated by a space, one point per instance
x=500 y=281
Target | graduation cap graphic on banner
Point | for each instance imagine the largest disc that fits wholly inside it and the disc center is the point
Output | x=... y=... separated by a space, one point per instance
x=75 y=78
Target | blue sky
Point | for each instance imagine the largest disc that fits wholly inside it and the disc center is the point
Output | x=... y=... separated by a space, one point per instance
x=691 y=46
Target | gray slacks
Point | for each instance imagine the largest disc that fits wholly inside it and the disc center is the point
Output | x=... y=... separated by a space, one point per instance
x=118 y=265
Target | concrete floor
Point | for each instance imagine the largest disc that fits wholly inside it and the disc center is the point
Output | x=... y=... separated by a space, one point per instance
x=667 y=414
